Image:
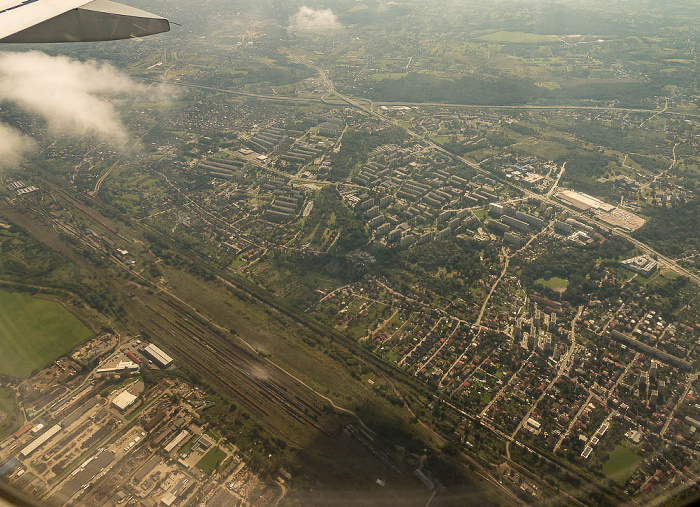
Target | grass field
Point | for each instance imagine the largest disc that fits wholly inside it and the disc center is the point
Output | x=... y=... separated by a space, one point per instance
x=208 y=463
x=548 y=150
x=34 y=332
x=517 y=37
x=381 y=76
x=554 y=283
x=480 y=213
x=11 y=419
x=621 y=464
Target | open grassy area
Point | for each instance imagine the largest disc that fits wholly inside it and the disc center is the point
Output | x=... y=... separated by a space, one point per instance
x=214 y=435
x=621 y=464
x=480 y=213
x=554 y=283
x=380 y=76
x=10 y=416
x=34 y=332
x=517 y=37
x=212 y=458
x=190 y=443
x=547 y=150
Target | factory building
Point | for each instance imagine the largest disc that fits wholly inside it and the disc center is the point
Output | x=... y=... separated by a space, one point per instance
x=159 y=357
x=177 y=441
x=38 y=442
x=124 y=366
x=123 y=401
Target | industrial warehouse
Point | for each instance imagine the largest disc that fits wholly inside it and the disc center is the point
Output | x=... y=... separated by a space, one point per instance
x=116 y=424
x=160 y=358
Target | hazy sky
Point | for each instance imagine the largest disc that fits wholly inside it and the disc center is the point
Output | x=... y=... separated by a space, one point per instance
x=13 y=145
x=307 y=18
x=74 y=98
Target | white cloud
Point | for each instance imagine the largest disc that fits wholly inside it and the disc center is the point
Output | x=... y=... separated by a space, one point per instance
x=307 y=18
x=75 y=98
x=13 y=145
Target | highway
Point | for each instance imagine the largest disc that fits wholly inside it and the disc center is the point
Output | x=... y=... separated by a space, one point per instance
x=373 y=105
x=549 y=107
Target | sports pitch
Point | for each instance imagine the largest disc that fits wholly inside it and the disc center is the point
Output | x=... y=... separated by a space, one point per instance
x=34 y=332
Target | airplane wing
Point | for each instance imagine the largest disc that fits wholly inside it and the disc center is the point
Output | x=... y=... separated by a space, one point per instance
x=39 y=21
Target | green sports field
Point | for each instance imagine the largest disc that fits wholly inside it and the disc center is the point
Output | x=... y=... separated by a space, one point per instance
x=621 y=464
x=10 y=415
x=212 y=458
x=554 y=283
x=34 y=332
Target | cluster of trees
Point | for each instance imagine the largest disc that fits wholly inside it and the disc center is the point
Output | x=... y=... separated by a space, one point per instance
x=330 y=211
x=23 y=258
x=581 y=267
x=622 y=138
x=649 y=162
x=467 y=90
x=627 y=93
x=374 y=13
x=501 y=90
x=667 y=297
x=566 y=19
x=462 y=148
x=524 y=129
x=444 y=267
x=673 y=231
x=583 y=168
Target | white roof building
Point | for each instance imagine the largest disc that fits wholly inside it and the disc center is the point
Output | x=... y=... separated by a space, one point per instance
x=124 y=400
x=168 y=499
x=158 y=356
x=38 y=442
x=533 y=423
x=177 y=440
x=122 y=366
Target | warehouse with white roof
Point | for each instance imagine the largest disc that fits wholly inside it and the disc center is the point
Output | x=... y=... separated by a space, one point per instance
x=158 y=356
x=123 y=401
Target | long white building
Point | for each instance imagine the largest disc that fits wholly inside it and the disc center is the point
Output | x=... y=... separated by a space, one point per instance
x=40 y=440
x=158 y=356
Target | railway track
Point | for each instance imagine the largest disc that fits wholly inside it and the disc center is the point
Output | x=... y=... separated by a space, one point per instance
x=246 y=377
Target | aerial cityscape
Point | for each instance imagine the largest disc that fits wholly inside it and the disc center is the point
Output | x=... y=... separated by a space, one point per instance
x=355 y=252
